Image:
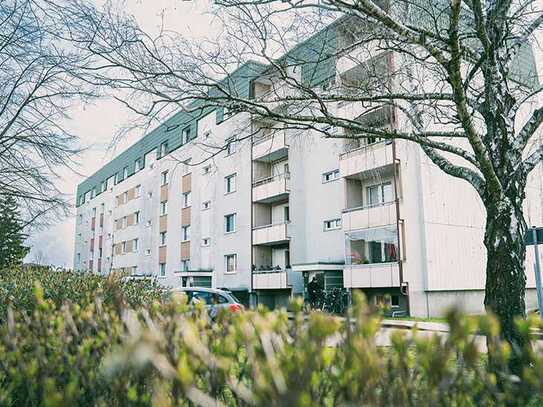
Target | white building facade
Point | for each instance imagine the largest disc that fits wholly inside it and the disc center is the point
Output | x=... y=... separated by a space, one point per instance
x=243 y=204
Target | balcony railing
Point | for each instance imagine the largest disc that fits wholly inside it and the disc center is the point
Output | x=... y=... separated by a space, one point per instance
x=366 y=158
x=274 y=233
x=364 y=217
x=268 y=180
x=270 y=147
x=271 y=189
x=271 y=280
x=375 y=275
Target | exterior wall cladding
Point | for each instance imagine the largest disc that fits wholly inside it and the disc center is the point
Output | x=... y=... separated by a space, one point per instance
x=279 y=208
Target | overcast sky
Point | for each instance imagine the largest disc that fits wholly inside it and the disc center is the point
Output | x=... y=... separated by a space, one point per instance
x=96 y=124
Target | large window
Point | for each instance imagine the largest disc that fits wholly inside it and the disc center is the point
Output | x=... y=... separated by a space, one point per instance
x=231 y=261
x=379 y=194
x=369 y=246
x=185 y=233
x=230 y=183
x=230 y=146
x=186 y=200
x=164 y=178
x=230 y=223
x=164 y=208
x=163 y=150
x=162 y=269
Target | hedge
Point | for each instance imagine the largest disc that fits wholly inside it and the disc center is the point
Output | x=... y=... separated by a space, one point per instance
x=109 y=353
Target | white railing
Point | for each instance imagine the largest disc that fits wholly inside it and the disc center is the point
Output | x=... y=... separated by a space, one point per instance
x=264 y=181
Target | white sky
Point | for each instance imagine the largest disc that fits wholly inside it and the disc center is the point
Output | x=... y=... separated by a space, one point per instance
x=96 y=124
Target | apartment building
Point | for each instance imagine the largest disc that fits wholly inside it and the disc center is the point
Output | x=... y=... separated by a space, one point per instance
x=230 y=201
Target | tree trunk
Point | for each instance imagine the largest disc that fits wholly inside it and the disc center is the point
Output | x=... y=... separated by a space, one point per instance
x=506 y=252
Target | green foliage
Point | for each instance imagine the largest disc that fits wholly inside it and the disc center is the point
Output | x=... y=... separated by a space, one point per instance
x=17 y=286
x=165 y=354
x=12 y=249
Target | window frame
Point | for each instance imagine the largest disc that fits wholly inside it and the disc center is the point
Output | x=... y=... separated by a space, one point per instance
x=185 y=233
x=235 y=257
x=227 y=183
x=233 y=215
x=163 y=238
x=335 y=224
x=334 y=176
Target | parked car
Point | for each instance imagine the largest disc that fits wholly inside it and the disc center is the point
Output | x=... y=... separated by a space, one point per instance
x=213 y=298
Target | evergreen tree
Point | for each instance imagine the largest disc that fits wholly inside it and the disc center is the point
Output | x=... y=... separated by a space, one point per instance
x=12 y=250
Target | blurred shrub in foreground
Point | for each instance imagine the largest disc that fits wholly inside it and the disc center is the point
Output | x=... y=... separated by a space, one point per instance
x=60 y=286
x=99 y=353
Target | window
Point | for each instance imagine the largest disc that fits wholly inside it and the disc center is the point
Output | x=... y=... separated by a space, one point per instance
x=230 y=146
x=135 y=245
x=286 y=213
x=369 y=246
x=123 y=247
x=206 y=241
x=125 y=172
x=136 y=217
x=149 y=195
x=78 y=258
x=330 y=176
x=230 y=223
x=206 y=205
x=379 y=194
x=185 y=265
x=164 y=208
x=186 y=200
x=125 y=197
x=163 y=149
x=162 y=269
x=100 y=252
x=332 y=224
x=149 y=223
x=137 y=191
x=102 y=208
x=231 y=263
x=206 y=169
x=207 y=134
x=104 y=186
x=185 y=135
x=164 y=178
x=93 y=212
x=163 y=237
x=286 y=169
x=138 y=165
x=185 y=233
x=230 y=183
x=147 y=252
x=80 y=219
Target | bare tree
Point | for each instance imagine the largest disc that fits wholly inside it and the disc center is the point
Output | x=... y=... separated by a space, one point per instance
x=456 y=75
x=41 y=75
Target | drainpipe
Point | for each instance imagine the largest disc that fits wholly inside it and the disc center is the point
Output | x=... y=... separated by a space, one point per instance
x=253 y=300
x=399 y=220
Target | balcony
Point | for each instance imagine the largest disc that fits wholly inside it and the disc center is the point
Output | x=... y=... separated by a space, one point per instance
x=272 y=189
x=278 y=94
x=377 y=275
x=270 y=234
x=270 y=147
x=270 y=279
x=366 y=217
x=362 y=160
